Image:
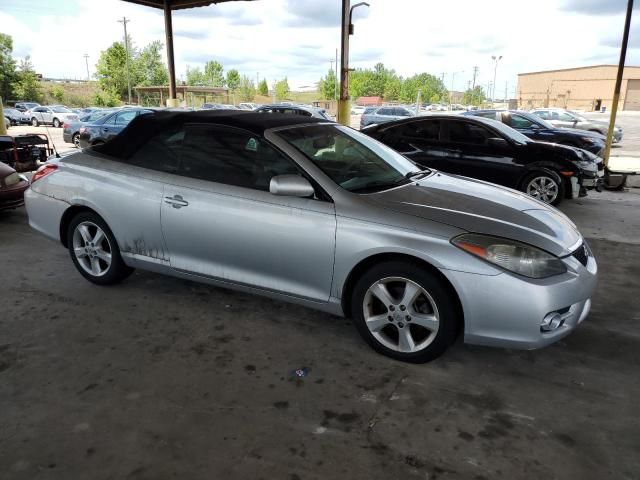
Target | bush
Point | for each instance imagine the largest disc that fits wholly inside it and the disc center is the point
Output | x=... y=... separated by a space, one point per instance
x=104 y=98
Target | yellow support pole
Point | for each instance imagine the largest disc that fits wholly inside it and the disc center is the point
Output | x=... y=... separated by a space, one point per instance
x=3 y=127
x=616 y=90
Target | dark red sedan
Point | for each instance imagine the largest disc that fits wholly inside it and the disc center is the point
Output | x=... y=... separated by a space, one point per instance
x=12 y=187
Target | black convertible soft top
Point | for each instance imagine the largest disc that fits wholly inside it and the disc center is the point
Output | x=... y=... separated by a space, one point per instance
x=143 y=127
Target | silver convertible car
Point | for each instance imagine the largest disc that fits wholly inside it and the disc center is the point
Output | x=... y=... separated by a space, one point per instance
x=311 y=212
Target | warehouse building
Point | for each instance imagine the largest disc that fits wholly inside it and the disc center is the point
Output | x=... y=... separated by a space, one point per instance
x=584 y=88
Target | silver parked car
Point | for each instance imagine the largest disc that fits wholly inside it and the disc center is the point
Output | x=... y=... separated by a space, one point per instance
x=311 y=212
x=560 y=117
x=384 y=114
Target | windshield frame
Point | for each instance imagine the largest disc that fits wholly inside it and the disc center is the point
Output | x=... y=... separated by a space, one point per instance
x=402 y=166
x=59 y=109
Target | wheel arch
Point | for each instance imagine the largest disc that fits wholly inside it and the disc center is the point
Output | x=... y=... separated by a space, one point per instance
x=67 y=216
x=360 y=268
x=549 y=168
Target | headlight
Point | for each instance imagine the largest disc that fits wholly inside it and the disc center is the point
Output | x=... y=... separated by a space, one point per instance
x=511 y=255
x=589 y=165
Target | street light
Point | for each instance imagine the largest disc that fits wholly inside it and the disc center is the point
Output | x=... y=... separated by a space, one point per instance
x=344 y=116
x=495 y=69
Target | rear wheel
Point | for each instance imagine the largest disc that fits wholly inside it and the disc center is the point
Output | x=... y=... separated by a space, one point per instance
x=94 y=250
x=34 y=122
x=405 y=312
x=56 y=123
x=546 y=186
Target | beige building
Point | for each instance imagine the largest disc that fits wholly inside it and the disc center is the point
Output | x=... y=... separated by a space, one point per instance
x=583 y=88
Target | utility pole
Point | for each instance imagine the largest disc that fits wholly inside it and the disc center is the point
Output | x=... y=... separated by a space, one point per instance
x=475 y=74
x=506 y=84
x=453 y=76
x=86 y=60
x=124 y=22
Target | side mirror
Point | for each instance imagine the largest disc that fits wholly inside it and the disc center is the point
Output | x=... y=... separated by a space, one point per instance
x=497 y=142
x=291 y=186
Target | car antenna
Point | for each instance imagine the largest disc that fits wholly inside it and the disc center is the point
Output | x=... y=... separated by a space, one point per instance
x=55 y=150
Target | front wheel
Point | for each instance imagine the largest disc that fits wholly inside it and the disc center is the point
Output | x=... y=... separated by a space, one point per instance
x=56 y=123
x=405 y=312
x=76 y=140
x=94 y=250
x=546 y=186
x=34 y=122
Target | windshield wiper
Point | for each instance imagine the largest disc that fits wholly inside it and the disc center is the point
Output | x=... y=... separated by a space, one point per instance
x=419 y=172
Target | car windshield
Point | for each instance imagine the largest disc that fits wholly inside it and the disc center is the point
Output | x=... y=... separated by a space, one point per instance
x=577 y=116
x=60 y=110
x=352 y=160
x=507 y=131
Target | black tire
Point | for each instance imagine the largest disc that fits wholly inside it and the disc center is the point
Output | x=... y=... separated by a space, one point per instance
x=117 y=270
x=446 y=308
x=75 y=139
x=34 y=122
x=56 y=123
x=549 y=175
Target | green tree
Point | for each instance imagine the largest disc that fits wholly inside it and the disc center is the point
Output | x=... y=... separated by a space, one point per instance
x=104 y=98
x=327 y=85
x=214 y=74
x=195 y=77
x=431 y=88
x=392 y=88
x=263 y=88
x=281 y=88
x=111 y=69
x=7 y=67
x=27 y=84
x=57 y=93
x=247 y=89
x=152 y=71
x=474 y=96
x=233 y=79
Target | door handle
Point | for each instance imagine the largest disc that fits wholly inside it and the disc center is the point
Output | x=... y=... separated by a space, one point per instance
x=176 y=201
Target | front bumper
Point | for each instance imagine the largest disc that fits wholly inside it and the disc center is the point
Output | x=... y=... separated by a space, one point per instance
x=507 y=310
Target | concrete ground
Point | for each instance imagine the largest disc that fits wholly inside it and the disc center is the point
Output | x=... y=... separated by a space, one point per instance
x=160 y=378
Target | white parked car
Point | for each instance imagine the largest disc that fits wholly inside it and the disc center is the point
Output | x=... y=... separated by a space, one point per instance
x=54 y=115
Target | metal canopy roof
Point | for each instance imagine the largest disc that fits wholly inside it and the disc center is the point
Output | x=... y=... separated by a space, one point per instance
x=179 y=4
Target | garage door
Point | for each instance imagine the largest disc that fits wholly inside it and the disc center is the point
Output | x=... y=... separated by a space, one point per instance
x=632 y=99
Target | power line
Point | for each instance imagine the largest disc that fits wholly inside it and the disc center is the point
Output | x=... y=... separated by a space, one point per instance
x=124 y=22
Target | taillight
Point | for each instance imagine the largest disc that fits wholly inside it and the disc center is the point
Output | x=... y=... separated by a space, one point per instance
x=65 y=125
x=43 y=171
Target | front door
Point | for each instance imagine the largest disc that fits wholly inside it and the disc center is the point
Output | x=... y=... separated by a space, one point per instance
x=471 y=154
x=220 y=221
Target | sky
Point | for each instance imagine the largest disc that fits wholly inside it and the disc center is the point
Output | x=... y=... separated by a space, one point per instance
x=297 y=38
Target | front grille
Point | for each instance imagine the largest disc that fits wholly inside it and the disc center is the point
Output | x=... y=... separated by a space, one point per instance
x=582 y=254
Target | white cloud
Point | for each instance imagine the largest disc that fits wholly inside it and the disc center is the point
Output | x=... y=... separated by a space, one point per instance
x=298 y=38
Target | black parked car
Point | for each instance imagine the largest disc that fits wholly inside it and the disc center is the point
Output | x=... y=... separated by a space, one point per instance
x=489 y=150
x=536 y=128
x=16 y=117
x=108 y=126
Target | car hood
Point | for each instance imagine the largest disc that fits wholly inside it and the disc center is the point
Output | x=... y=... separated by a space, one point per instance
x=545 y=148
x=580 y=133
x=481 y=207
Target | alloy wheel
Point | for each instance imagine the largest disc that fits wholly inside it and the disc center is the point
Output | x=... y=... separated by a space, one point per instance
x=92 y=249
x=400 y=314
x=543 y=188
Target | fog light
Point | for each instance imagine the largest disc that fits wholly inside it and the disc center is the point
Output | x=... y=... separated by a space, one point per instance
x=552 y=321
